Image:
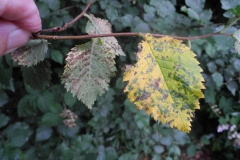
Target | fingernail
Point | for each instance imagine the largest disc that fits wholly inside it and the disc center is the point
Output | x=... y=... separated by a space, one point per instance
x=16 y=39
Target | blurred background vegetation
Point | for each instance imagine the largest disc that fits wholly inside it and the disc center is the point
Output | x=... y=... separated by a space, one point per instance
x=31 y=127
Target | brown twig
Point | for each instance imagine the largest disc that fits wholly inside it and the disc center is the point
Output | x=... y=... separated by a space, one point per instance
x=59 y=29
x=53 y=37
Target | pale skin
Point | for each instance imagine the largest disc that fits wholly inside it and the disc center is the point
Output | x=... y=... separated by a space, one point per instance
x=18 y=19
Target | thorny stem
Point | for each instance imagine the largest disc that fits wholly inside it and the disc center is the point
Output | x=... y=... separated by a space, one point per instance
x=59 y=29
x=53 y=37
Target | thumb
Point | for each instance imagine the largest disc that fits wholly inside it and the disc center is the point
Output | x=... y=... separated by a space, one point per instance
x=11 y=37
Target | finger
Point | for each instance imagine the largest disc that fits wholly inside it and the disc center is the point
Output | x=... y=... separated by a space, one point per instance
x=12 y=37
x=23 y=13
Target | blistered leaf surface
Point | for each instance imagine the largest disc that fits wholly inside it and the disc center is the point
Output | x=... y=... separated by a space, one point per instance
x=88 y=70
x=101 y=26
x=31 y=53
x=166 y=81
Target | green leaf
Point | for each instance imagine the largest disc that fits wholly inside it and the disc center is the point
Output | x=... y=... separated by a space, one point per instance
x=165 y=8
x=205 y=140
x=223 y=42
x=71 y=132
x=174 y=150
x=210 y=49
x=128 y=156
x=30 y=153
x=44 y=100
x=212 y=67
x=88 y=70
x=3 y=120
x=5 y=71
x=181 y=137
x=232 y=87
x=191 y=150
x=142 y=120
x=229 y=4
x=11 y=152
x=51 y=119
x=26 y=107
x=166 y=81
x=57 y=56
x=158 y=149
x=230 y=22
x=127 y=20
x=218 y=79
x=18 y=134
x=55 y=108
x=111 y=153
x=111 y=13
x=3 y=99
x=43 y=133
x=196 y=5
x=205 y=16
x=191 y=13
x=101 y=26
x=210 y=96
x=167 y=141
x=37 y=77
x=65 y=151
x=236 y=11
x=69 y=99
x=54 y=4
x=43 y=9
x=30 y=54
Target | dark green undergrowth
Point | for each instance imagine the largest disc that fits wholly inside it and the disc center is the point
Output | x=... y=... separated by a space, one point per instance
x=32 y=125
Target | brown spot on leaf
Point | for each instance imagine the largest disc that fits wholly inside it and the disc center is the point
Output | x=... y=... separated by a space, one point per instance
x=144 y=96
x=156 y=83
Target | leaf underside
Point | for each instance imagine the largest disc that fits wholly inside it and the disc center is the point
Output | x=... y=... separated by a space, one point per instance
x=31 y=53
x=37 y=77
x=88 y=70
x=166 y=81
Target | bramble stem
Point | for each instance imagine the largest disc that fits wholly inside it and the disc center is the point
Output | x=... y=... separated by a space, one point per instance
x=54 y=37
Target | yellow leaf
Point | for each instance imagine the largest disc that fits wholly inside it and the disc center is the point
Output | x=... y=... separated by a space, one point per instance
x=166 y=81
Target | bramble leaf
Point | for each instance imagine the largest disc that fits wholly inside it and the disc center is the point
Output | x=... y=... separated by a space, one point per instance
x=37 y=77
x=31 y=53
x=166 y=81
x=88 y=70
x=101 y=26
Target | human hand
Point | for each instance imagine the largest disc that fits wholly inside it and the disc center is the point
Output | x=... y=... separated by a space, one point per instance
x=18 y=19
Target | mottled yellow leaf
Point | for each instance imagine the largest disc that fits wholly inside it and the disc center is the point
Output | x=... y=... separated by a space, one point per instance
x=166 y=81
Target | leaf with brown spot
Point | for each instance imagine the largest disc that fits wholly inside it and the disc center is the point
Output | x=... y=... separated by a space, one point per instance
x=166 y=81
x=31 y=53
x=88 y=70
x=102 y=26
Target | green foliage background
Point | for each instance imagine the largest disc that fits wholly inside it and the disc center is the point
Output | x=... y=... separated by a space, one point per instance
x=30 y=124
